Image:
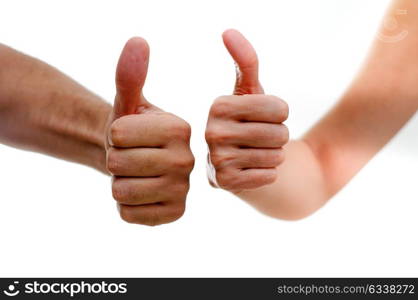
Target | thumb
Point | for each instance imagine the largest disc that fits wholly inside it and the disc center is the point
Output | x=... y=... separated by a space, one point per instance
x=246 y=62
x=130 y=77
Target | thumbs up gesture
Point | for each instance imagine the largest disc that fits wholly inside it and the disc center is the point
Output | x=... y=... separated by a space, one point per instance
x=244 y=132
x=148 y=150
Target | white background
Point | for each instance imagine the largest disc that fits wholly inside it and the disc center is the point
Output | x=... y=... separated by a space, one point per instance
x=59 y=219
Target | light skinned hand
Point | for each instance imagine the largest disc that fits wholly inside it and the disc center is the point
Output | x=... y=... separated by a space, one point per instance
x=148 y=150
x=244 y=131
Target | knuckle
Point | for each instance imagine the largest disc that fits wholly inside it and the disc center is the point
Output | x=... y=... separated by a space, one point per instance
x=278 y=107
x=221 y=107
x=285 y=110
x=278 y=158
x=127 y=215
x=180 y=129
x=190 y=162
x=225 y=180
x=220 y=159
x=113 y=161
x=184 y=163
x=119 y=193
x=117 y=133
x=210 y=135
x=283 y=134
x=282 y=108
x=279 y=136
x=177 y=212
x=215 y=135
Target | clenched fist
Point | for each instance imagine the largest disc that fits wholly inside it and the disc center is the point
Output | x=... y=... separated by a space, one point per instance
x=244 y=132
x=148 y=150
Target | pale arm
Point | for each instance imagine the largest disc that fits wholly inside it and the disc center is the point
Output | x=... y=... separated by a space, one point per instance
x=382 y=98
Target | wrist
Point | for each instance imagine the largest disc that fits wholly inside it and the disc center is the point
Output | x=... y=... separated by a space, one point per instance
x=98 y=155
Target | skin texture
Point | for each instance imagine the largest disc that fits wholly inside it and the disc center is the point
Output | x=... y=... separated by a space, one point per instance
x=148 y=150
x=244 y=132
x=45 y=111
x=379 y=102
x=144 y=148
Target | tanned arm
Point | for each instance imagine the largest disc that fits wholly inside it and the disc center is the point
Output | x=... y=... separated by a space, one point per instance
x=45 y=111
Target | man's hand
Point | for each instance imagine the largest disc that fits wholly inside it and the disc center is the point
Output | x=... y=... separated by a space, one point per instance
x=148 y=150
x=244 y=132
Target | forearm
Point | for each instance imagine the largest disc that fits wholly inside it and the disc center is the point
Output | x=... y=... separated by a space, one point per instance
x=376 y=106
x=45 y=111
x=319 y=164
x=380 y=100
x=299 y=190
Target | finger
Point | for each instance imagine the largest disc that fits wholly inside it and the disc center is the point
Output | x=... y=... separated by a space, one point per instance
x=250 y=158
x=254 y=108
x=151 y=214
x=259 y=158
x=250 y=134
x=236 y=180
x=143 y=130
x=253 y=178
x=246 y=62
x=139 y=162
x=131 y=72
x=139 y=191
